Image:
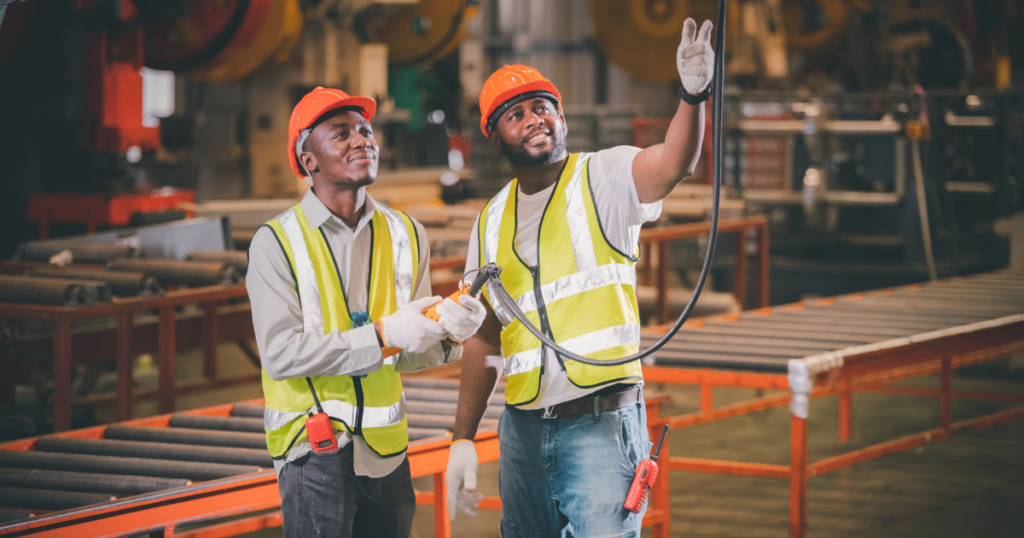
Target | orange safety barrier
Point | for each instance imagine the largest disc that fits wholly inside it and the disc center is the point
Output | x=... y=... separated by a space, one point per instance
x=657 y=239
x=219 y=322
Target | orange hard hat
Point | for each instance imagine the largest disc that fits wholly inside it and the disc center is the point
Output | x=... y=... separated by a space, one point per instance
x=315 y=104
x=509 y=82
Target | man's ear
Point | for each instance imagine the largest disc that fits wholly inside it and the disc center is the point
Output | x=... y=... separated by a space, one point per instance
x=565 y=126
x=308 y=161
x=495 y=141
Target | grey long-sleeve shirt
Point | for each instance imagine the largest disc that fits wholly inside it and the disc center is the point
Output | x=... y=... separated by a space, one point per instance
x=287 y=352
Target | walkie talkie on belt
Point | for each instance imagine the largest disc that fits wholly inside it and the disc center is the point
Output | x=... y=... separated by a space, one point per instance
x=646 y=474
x=318 y=427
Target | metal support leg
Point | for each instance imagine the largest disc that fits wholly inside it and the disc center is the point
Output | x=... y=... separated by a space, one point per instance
x=648 y=262
x=211 y=337
x=739 y=270
x=61 y=374
x=762 y=268
x=946 y=394
x=442 y=527
x=660 y=500
x=123 y=355
x=798 y=477
x=663 y=282
x=706 y=398
x=845 y=412
x=8 y=365
x=167 y=359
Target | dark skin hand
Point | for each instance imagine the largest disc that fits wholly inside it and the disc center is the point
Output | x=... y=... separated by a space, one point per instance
x=342 y=156
x=532 y=128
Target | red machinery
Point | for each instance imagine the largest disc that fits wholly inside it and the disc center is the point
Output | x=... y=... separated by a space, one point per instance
x=212 y=35
x=113 y=83
x=98 y=210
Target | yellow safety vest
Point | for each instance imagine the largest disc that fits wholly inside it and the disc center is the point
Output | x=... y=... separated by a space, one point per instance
x=374 y=406
x=582 y=292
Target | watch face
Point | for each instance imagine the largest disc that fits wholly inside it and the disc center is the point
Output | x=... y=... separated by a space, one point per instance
x=359 y=319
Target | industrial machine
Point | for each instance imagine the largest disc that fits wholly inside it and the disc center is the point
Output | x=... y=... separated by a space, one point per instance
x=128 y=128
x=877 y=188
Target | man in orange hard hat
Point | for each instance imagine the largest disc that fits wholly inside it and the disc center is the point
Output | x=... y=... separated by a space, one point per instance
x=565 y=233
x=333 y=281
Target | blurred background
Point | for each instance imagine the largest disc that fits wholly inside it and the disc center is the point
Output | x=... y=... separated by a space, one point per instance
x=867 y=144
x=186 y=103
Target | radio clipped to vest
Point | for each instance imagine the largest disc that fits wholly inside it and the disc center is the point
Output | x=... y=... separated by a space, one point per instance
x=319 y=430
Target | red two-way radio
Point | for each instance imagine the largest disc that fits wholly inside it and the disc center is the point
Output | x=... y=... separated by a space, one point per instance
x=646 y=474
x=319 y=430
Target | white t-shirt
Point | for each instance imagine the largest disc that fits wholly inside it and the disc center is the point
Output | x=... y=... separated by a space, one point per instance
x=621 y=214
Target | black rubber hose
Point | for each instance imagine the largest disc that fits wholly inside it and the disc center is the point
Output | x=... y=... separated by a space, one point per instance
x=499 y=292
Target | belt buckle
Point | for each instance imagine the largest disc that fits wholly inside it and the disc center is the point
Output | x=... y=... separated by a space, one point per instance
x=547 y=413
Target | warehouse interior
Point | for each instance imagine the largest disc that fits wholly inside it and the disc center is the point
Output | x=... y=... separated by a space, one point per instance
x=871 y=212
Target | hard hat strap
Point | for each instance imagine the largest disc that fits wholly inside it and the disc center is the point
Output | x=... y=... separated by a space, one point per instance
x=303 y=134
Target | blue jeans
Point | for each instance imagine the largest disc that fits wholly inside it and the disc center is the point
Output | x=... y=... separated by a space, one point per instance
x=322 y=496
x=569 y=477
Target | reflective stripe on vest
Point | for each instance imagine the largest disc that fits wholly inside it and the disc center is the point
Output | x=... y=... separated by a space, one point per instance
x=324 y=307
x=373 y=417
x=597 y=280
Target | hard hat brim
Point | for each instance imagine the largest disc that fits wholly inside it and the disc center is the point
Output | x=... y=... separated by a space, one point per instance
x=542 y=85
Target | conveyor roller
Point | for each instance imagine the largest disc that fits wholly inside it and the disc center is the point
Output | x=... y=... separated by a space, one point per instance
x=49 y=500
x=161 y=451
x=86 y=482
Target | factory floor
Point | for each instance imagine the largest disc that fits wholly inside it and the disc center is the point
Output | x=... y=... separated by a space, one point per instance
x=971 y=485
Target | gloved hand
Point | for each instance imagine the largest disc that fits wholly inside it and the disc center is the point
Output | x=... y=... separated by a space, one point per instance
x=409 y=329
x=462 y=318
x=460 y=479
x=695 y=58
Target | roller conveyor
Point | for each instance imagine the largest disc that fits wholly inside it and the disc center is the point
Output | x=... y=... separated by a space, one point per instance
x=85 y=471
x=856 y=343
x=767 y=340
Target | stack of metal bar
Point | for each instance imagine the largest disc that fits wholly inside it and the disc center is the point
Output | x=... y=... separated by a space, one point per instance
x=62 y=472
x=766 y=342
x=179 y=272
x=53 y=291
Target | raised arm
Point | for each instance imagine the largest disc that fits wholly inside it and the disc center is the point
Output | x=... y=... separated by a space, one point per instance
x=659 y=168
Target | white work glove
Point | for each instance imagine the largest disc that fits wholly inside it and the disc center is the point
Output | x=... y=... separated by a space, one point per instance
x=695 y=58
x=460 y=479
x=409 y=329
x=461 y=318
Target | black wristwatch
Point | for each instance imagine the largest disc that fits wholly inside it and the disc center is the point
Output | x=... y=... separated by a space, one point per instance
x=691 y=99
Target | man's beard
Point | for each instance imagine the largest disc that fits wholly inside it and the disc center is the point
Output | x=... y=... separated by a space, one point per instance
x=519 y=156
x=365 y=181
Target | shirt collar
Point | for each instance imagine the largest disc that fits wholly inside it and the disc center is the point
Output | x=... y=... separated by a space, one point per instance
x=317 y=213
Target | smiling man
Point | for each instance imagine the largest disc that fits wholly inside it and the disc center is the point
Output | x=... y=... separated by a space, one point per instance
x=333 y=281
x=565 y=233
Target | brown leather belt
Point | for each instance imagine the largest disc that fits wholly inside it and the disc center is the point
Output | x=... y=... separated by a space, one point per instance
x=592 y=405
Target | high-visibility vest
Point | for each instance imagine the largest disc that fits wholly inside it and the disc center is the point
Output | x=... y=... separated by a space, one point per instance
x=373 y=406
x=582 y=292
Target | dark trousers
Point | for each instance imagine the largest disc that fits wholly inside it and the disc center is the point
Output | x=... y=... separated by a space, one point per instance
x=322 y=496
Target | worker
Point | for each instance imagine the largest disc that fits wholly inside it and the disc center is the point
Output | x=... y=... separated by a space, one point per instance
x=565 y=232
x=332 y=281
